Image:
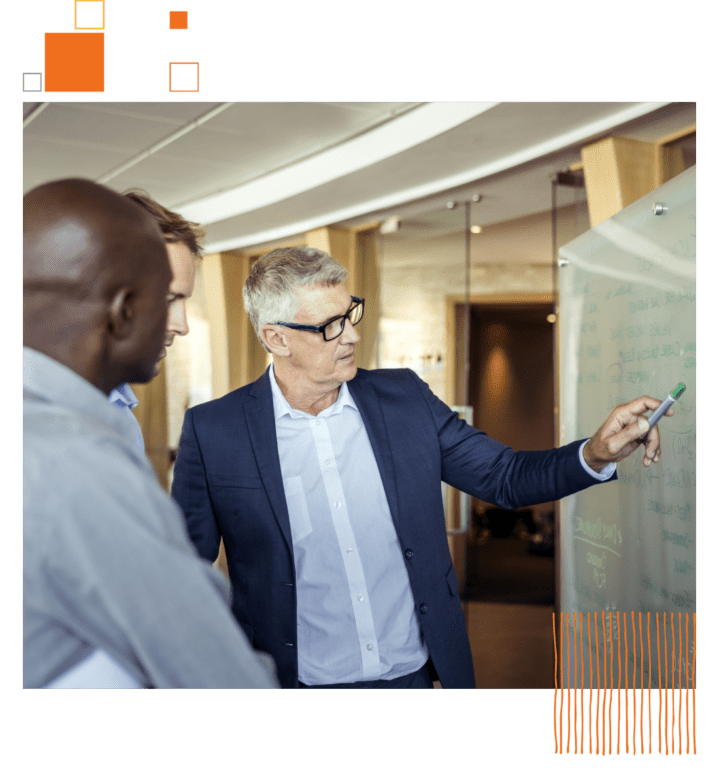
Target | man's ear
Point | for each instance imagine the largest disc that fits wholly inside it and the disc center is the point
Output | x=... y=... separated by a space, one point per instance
x=275 y=340
x=121 y=314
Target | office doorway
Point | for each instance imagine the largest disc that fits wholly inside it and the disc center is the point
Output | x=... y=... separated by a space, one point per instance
x=511 y=389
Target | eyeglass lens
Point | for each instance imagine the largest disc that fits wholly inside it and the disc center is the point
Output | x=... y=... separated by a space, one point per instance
x=335 y=328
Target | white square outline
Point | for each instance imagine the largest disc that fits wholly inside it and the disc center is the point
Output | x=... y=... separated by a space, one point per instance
x=25 y=75
x=185 y=76
x=91 y=14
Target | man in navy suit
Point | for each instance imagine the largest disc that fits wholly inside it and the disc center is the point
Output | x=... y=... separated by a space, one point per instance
x=324 y=481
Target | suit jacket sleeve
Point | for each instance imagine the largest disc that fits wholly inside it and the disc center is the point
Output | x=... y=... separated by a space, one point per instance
x=190 y=491
x=476 y=464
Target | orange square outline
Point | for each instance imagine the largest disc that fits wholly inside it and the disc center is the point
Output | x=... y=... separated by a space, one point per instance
x=196 y=90
x=103 y=13
x=177 y=20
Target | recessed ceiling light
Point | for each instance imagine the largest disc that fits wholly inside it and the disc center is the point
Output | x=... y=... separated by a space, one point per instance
x=475 y=229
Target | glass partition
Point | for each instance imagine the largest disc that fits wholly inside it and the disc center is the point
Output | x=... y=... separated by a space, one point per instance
x=422 y=259
x=628 y=328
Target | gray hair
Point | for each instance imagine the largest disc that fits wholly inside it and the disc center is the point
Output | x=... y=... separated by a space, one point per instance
x=269 y=292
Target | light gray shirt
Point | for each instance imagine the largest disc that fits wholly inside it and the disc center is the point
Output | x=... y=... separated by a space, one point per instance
x=107 y=562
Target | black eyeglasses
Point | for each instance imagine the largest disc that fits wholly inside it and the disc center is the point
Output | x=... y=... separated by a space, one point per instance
x=333 y=328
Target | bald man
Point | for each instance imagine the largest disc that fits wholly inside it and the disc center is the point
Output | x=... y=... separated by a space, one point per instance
x=114 y=593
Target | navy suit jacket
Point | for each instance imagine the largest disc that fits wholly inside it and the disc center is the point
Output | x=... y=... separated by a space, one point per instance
x=228 y=483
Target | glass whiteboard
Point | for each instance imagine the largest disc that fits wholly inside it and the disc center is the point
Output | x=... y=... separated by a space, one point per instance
x=627 y=327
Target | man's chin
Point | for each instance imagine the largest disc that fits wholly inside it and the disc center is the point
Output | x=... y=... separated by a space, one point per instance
x=348 y=371
x=146 y=375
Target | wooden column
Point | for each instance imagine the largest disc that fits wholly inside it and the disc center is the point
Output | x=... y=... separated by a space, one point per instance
x=356 y=251
x=337 y=242
x=617 y=171
x=363 y=281
x=151 y=413
x=237 y=355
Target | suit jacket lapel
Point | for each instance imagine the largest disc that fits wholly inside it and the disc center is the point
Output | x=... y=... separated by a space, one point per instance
x=260 y=415
x=370 y=408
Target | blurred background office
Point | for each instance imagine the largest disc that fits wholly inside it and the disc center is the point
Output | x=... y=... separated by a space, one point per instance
x=448 y=217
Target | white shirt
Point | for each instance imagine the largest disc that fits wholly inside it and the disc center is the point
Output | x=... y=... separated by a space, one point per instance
x=355 y=610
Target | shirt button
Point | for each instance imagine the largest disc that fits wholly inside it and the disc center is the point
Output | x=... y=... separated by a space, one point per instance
x=360 y=598
x=370 y=646
x=423 y=608
x=349 y=549
x=408 y=554
x=337 y=504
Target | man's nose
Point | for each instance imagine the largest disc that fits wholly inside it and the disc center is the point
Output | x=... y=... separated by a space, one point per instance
x=177 y=320
x=349 y=334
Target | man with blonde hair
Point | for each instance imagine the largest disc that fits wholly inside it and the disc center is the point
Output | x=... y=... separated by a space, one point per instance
x=324 y=481
x=182 y=241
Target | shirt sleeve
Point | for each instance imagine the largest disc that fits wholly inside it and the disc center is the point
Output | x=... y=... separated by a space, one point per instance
x=605 y=474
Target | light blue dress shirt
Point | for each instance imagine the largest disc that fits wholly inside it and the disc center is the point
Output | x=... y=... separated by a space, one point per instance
x=124 y=398
x=355 y=611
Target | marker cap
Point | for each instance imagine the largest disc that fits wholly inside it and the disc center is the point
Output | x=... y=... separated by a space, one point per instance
x=679 y=390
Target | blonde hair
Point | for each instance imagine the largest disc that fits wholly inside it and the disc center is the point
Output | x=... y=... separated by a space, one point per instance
x=175 y=228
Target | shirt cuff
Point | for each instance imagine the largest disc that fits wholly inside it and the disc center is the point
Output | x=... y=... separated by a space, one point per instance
x=605 y=474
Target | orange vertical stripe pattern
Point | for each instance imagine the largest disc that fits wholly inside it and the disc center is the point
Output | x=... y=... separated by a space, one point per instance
x=677 y=681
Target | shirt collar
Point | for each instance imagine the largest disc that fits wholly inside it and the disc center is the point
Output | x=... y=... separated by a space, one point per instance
x=49 y=380
x=283 y=408
x=123 y=395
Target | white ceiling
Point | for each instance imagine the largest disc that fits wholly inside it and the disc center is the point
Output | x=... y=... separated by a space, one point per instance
x=260 y=172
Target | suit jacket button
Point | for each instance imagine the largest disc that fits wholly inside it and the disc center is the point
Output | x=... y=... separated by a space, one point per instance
x=291 y=645
x=409 y=554
x=423 y=608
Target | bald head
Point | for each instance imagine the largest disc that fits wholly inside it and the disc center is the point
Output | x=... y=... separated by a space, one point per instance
x=95 y=279
x=75 y=233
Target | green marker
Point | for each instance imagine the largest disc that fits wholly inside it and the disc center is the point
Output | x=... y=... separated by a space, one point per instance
x=671 y=398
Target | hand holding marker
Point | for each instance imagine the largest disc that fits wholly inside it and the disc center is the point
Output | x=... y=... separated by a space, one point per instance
x=671 y=398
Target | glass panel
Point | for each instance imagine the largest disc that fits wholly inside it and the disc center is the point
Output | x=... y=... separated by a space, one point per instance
x=420 y=264
x=628 y=328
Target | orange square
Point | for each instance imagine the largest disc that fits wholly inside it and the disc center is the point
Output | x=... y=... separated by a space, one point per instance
x=178 y=19
x=74 y=61
x=91 y=1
